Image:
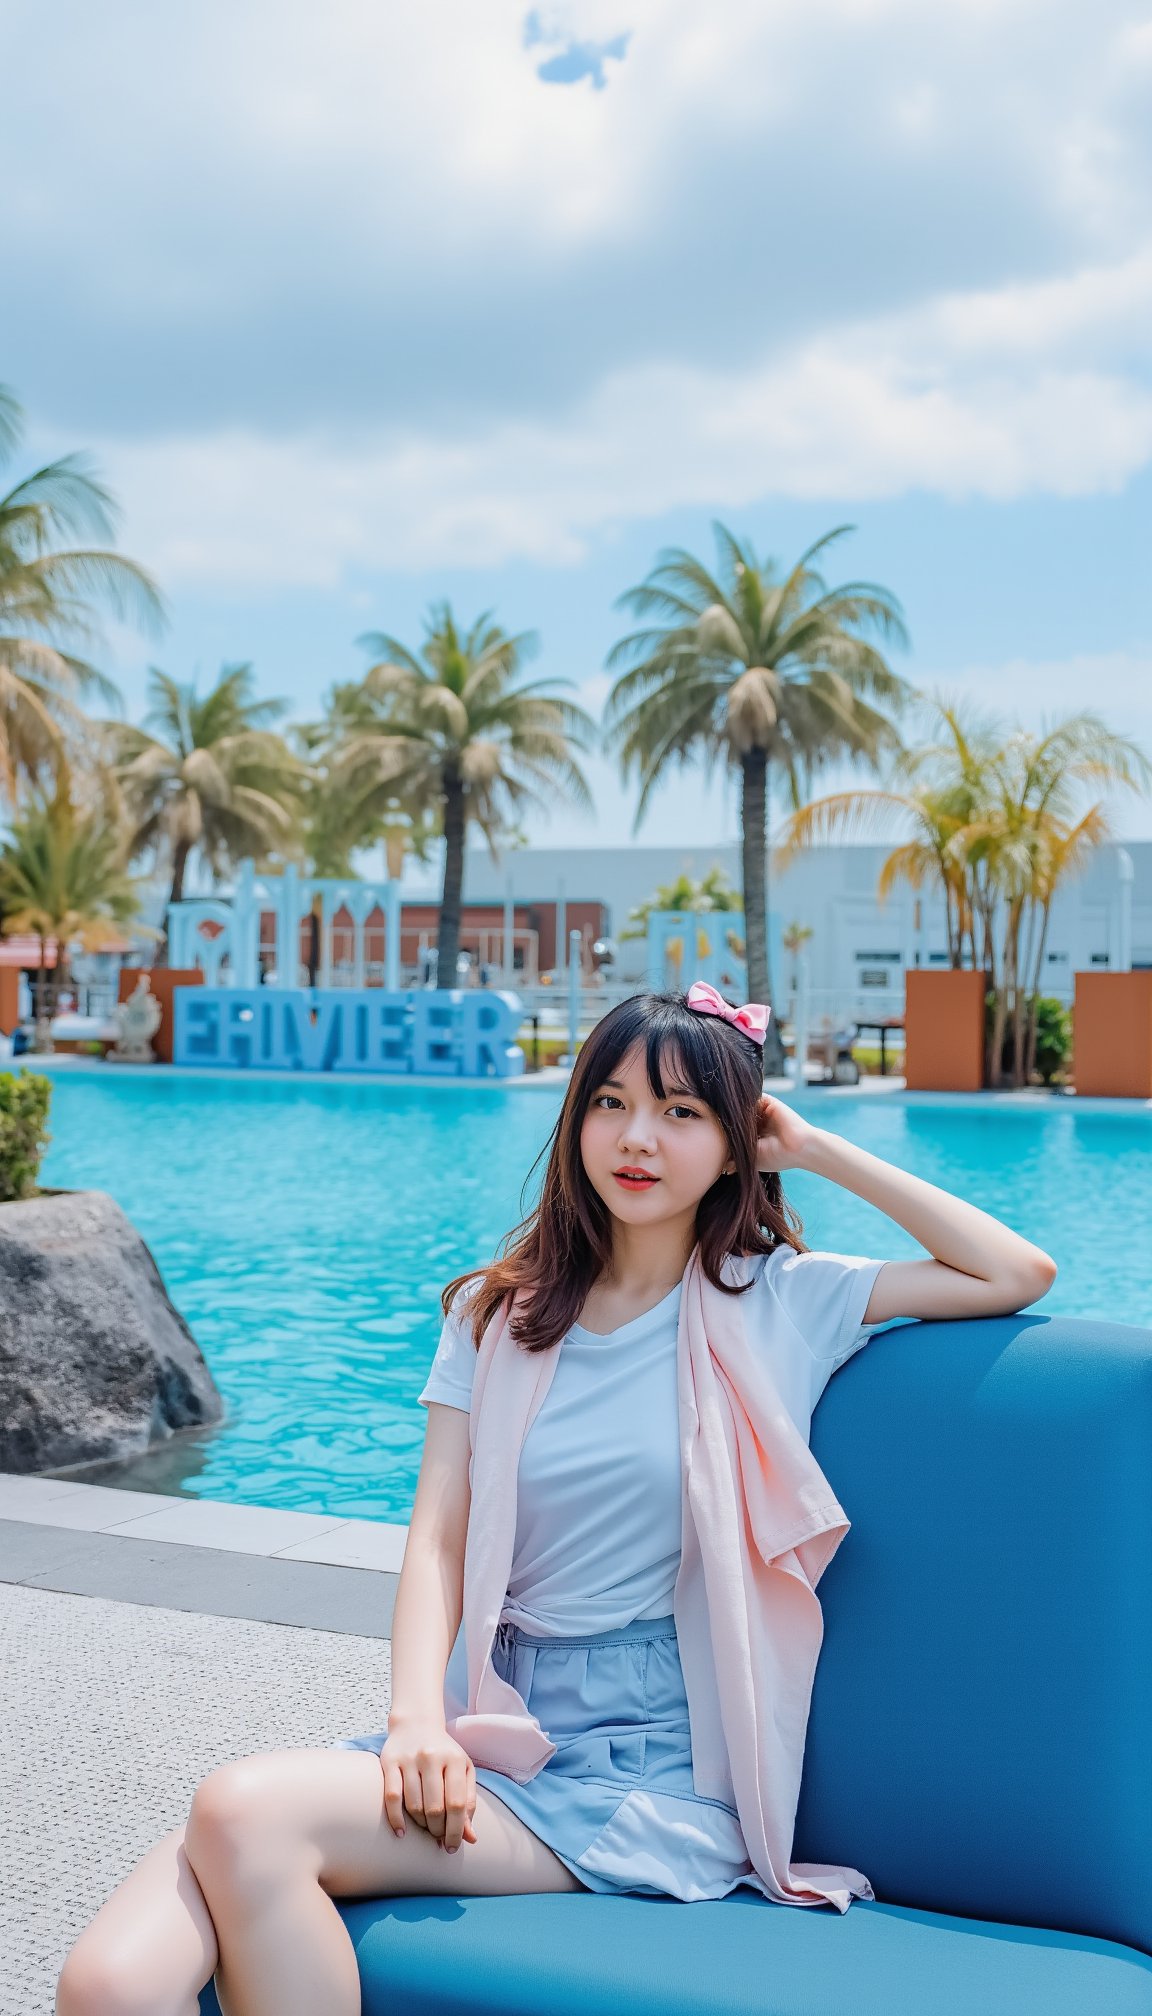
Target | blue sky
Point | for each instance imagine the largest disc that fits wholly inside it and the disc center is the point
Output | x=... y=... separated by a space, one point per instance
x=357 y=307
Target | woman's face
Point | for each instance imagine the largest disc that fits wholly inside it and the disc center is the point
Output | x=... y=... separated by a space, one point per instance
x=677 y=1141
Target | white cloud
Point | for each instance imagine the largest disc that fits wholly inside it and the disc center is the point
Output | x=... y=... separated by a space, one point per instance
x=349 y=286
x=287 y=216
x=1091 y=313
x=979 y=396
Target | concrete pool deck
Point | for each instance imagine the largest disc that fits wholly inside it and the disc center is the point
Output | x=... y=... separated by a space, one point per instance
x=198 y=1554
x=146 y=1640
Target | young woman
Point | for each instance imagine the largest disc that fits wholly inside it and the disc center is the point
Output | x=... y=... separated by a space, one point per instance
x=665 y=1142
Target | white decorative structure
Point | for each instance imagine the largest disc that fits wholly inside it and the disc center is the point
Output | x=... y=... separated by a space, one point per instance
x=720 y=966
x=290 y=897
x=137 y=1020
x=244 y=1019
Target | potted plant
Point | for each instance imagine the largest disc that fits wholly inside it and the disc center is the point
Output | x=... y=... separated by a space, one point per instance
x=996 y=832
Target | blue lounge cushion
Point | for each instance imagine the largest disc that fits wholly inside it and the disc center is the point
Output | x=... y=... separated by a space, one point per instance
x=980 y=1739
x=572 y=1955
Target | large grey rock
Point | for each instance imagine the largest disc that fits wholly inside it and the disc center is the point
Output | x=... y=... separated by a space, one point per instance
x=95 y=1361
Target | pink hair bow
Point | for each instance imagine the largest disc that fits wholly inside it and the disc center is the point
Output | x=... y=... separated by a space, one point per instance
x=752 y=1018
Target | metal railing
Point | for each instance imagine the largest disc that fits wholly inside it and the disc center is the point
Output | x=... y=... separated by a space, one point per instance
x=829 y=1007
x=95 y=998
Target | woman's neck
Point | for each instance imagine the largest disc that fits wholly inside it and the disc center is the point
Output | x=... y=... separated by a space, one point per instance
x=649 y=1259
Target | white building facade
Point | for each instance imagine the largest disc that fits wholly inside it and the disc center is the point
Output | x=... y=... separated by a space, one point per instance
x=860 y=949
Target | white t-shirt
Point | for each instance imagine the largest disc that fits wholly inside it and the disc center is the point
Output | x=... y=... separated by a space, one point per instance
x=599 y=1502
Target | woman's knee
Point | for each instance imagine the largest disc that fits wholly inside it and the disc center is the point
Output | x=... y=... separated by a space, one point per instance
x=99 y=1980
x=230 y=1810
x=242 y=1821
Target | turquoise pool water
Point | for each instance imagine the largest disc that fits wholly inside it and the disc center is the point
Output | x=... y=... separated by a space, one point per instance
x=306 y=1229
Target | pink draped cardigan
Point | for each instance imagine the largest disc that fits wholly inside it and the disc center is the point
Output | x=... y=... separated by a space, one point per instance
x=748 y=1620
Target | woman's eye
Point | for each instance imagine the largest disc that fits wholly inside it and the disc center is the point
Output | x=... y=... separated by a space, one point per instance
x=689 y=1110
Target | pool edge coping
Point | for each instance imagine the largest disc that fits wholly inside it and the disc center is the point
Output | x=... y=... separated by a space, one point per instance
x=288 y=1584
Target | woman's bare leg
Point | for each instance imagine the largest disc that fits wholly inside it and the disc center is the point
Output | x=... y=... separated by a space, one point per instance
x=274 y=1838
x=150 y=1948
x=245 y=1890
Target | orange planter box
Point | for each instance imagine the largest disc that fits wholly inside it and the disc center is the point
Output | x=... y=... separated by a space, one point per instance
x=944 y=1030
x=162 y=980
x=9 y=998
x=1112 y=1035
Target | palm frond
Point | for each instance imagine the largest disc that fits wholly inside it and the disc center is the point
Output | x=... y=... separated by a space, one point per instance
x=11 y=422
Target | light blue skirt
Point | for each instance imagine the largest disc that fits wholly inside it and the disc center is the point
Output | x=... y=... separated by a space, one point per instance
x=616 y=1803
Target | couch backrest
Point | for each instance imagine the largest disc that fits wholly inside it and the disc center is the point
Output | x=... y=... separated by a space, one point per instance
x=981 y=1731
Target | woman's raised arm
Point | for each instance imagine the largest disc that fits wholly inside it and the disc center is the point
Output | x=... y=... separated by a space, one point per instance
x=980 y=1267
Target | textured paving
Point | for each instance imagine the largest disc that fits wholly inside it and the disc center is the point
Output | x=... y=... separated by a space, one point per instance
x=111 y=1713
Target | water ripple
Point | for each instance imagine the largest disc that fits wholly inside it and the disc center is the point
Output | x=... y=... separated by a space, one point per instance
x=305 y=1232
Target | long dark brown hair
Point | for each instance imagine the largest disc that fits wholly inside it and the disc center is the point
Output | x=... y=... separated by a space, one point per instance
x=560 y=1250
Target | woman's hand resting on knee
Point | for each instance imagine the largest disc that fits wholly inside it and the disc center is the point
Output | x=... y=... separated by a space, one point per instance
x=430 y=1776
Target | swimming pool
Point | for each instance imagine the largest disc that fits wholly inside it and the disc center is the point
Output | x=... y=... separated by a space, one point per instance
x=305 y=1229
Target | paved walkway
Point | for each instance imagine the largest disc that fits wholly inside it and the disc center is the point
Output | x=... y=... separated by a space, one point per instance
x=133 y=1664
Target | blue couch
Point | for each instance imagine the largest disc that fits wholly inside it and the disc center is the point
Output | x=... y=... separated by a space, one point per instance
x=980 y=1741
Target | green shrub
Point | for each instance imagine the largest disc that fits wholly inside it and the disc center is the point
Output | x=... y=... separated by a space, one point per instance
x=550 y=1048
x=1053 y=1036
x=24 y=1135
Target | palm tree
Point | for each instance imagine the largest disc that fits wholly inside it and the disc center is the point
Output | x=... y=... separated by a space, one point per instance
x=1025 y=839
x=45 y=607
x=63 y=876
x=450 y=730
x=752 y=666
x=710 y=891
x=208 y=773
x=995 y=830
x=706 y=894
x=338 y=823
x=793 y=938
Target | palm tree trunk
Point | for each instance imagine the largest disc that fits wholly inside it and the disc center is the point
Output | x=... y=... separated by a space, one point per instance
x=448 y=940
x=1018 y=992
x=1005 y=987
x=1034 y=998
x=1023 y=1008
x=55 y=981
x=62 y=974
x=1019 y=1001
x=994 y=1043
x=180 y=854
x=179 y=863
x=42 y=1020
x=754 y=873
x=978 y=913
